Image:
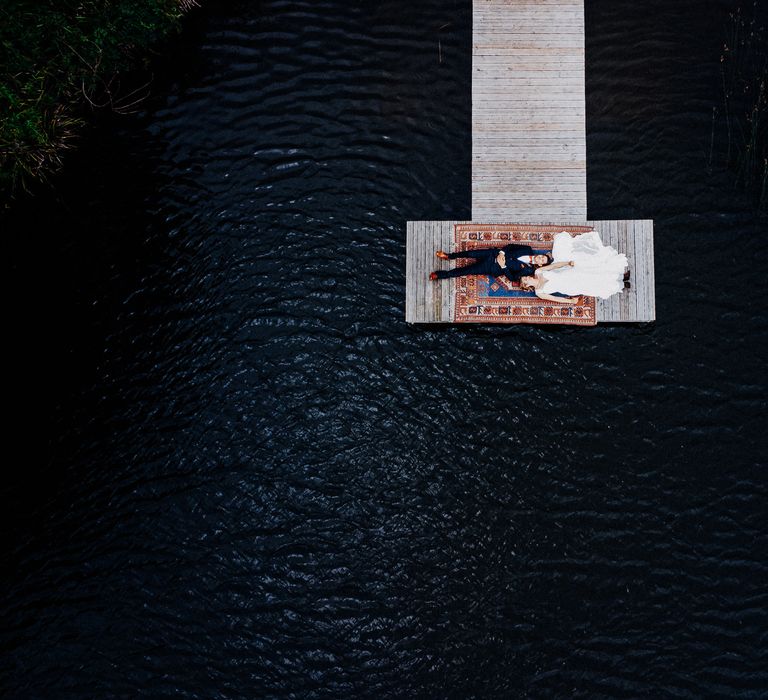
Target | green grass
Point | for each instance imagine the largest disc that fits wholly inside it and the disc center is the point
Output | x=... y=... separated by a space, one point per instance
x=60 y=60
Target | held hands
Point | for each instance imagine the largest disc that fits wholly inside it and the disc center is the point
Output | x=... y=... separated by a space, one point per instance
x=501 y=259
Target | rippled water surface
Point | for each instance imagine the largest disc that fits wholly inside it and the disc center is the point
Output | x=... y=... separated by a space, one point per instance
x=236 y=472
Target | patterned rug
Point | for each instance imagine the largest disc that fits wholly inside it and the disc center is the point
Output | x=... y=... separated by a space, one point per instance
x=481 y=299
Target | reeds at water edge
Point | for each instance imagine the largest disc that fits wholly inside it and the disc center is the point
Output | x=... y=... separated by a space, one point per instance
x=60 y=61
x=743 y=119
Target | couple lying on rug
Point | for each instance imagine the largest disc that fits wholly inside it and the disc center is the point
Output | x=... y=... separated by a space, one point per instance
x=580 y=265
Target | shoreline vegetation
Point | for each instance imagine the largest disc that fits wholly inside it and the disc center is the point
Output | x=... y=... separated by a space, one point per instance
x=62 y=59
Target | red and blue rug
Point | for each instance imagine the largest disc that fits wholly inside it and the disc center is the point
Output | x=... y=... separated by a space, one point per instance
x=483 y=299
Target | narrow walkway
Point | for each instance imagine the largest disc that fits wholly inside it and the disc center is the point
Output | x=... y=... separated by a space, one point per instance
x=529 y=159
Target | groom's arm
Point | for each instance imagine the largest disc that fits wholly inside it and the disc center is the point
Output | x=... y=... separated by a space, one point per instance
x=514 y=275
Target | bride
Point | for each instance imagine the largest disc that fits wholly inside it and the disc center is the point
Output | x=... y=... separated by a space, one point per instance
x=583 y=265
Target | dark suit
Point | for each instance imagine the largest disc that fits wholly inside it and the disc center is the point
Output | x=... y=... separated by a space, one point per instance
x=485 y=263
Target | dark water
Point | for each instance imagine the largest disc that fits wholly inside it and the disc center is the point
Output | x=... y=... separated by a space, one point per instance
x=234 y=471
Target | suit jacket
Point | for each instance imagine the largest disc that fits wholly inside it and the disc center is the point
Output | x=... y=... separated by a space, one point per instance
x=516 y=269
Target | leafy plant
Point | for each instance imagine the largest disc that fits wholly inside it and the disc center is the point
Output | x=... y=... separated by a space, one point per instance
x=60 y=59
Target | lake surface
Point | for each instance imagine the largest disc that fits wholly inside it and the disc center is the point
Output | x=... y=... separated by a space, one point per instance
x=235 y=471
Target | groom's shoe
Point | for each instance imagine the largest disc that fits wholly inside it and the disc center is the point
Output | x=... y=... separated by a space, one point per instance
x=442 y=255
x=433 y=276
x=626 y=275
x=627 y=285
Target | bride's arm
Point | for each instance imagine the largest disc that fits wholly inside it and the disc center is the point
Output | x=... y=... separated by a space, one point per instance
x=555 y=266
x=559 y=300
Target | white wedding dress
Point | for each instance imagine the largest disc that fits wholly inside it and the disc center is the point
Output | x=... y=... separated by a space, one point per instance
x=598 y=270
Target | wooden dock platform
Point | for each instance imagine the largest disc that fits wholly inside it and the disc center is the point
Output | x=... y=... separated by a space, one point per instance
x=433 y=302
x=529 y=162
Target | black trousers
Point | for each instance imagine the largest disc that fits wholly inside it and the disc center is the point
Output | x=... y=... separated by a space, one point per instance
x=478 y=253
x=485 y=263
x=484 y=266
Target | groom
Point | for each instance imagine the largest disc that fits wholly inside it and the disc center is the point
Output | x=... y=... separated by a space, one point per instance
x=513 y=261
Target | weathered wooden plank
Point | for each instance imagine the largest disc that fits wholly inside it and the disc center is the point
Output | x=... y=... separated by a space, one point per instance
x=637 y=268
x=635 y=254
x=617 y=299
x=413 y=250
x=436 y=287
x=420 y=291
x=532 y=71
x=418 y=231
x=528 y=130
x=625 y=244
x=565 y=30
x=606 y=230
x=531 y=187
x=520 y=112
x=408 y=264
x=503 y=129
x=554 y=16
x=491 y=81
x=491 y=101
x=649 y=296
x=444 y=244
x=624 y=298
x=409 y=274
x=651 y=276
x=608 y=234
x=645 y=283
x=640 y=270
x=411 y=260
x=619 y=242
x=428 y=288
x=644 y=273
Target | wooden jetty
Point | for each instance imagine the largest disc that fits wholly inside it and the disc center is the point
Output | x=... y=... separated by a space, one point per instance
x=529 y=162
x=433 y=302
x=529 y=141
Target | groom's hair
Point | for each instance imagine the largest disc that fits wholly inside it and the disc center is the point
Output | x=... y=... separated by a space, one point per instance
x=550 y=259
